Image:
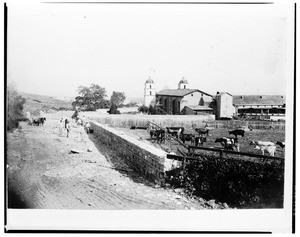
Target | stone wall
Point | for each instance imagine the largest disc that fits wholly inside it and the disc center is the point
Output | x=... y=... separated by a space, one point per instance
x=144 y=158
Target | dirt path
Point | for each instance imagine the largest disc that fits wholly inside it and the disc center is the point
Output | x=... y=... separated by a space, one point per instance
x=42 y=173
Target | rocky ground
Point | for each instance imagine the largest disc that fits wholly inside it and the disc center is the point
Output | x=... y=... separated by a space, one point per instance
x=43 y=173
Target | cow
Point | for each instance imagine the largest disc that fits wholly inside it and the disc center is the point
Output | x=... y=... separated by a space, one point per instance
x=202 y=131
x=42 y=120
x=269 y=148
x=262 y=143
x=200 y=140
x=36 y=122
x=158 y=134
x=232 y=147
x=175 y=131
x=228 y=143
x=281 y=144
x=237 y=132
x=187 y=137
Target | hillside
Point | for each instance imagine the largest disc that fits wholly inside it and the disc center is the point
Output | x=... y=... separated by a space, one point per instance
x=35 y=103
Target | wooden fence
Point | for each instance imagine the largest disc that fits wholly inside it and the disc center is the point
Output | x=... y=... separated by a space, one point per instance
x=259 y=125
x=223 y=154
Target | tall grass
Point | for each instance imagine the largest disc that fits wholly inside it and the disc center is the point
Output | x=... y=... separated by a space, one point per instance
x=126 y=120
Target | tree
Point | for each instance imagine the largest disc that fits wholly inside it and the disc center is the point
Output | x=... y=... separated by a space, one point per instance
x=117 y=98
x=91 y=98
x=143 y=109
x=113 y=109
x=151 y=110
x=15 y=105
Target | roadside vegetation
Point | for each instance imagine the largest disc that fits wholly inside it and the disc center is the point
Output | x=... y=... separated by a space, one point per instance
x=238 y=182
x=15 y=104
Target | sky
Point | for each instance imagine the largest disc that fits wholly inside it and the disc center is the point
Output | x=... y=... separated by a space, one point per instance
x=55 y=48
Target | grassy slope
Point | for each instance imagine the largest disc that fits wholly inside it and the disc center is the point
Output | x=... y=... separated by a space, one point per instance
x=35 y=103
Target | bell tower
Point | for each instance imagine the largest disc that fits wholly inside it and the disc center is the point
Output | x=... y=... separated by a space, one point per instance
x=182 y=84
x=149 y=92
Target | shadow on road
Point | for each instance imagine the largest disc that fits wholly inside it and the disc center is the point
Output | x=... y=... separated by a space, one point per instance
x=14 y=200
x=118 y=163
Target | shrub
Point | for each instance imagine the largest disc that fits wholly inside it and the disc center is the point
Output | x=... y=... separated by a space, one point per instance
x=15 y=104
x=113 y=109
x=143 y=109
x=237 y=182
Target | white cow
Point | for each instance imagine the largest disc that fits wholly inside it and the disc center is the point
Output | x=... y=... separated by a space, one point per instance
x=261 y=143
x=269 y=148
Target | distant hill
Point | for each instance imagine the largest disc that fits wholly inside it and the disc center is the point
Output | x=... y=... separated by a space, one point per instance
x=136 y=99
x=49 y=104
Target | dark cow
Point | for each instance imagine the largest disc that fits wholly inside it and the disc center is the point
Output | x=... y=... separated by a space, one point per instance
x=36 y=122
x=237 y=132
x=158 y=134
x=281 y=144
x=222 y=141
x=202 y=131
x=199 y=141
x=187 y=137
x=175 y=131
x=42 y=120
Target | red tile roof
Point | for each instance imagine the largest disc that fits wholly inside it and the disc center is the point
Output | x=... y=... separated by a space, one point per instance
x=258 y=100
x=179 y=92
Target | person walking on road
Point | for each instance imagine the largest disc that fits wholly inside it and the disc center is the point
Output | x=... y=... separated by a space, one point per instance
x=67 y=126
x=60 y=126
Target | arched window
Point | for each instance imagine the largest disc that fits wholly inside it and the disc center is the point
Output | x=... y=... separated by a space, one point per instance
x=150 y=86
x=150 y=92
x=184 y=86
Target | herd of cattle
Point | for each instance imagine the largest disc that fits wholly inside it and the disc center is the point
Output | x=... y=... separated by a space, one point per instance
x=36 y=121
x=201 y=135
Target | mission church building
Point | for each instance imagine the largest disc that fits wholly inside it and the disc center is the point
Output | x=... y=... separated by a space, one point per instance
x=178 y=101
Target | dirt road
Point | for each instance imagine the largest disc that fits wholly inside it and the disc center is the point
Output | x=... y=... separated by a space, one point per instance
x=42 y=173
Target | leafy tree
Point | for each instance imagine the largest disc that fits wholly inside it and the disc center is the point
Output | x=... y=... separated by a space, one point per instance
x=113 y=109
x=151 y=110
x=15 y=104
x=117 y=98
x=91 y=98
x=143 y=109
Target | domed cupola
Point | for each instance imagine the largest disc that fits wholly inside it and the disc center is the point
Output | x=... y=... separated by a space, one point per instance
x=150 y=81
x=182 y=84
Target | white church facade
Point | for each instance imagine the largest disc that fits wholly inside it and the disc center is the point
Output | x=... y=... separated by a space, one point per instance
x=178 y=101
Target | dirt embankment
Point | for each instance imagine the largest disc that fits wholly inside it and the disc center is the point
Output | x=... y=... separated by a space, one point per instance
x=42 y=173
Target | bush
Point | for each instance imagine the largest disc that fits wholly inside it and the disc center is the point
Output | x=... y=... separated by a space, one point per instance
x=113 y=109
x=143 y=109
x=15 y=104
x=237 y=182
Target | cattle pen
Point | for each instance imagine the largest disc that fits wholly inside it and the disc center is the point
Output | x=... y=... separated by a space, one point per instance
x=244 y=174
